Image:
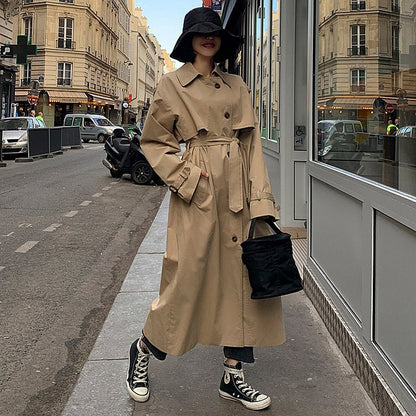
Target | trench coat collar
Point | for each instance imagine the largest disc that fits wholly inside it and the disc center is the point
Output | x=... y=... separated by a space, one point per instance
x=187 y=73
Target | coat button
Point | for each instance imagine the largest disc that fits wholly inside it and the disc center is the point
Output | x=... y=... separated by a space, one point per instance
x=217 y=85
x=227 y=115
x=235 y=239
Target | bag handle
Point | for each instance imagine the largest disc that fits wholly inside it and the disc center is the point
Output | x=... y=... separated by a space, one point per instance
x=268 y=221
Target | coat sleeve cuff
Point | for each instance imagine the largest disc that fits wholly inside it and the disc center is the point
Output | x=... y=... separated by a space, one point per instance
x=263 y=207
x=187 y=186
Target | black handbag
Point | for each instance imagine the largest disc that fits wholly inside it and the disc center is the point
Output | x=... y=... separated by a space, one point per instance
x=272 y=271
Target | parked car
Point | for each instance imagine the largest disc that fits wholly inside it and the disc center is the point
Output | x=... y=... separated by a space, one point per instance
x=14 y=133
x=407 y=131
x=93 y=126
x=349 y=129
x=339 y=143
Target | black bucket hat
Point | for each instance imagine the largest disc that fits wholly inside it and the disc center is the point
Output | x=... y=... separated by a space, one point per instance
x=204 y=20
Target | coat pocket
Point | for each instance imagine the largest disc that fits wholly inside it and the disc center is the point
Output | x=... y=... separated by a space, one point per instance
x=202 y=192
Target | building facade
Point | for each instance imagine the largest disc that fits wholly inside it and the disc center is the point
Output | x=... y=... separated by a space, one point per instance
x=316 y=68
x=7 y=67
x=148 y=66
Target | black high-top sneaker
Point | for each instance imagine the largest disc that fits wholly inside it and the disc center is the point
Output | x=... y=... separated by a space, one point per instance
x=137 y=381
x=233 y=387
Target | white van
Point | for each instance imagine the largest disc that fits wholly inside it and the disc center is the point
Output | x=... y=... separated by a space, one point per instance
x=93 y=126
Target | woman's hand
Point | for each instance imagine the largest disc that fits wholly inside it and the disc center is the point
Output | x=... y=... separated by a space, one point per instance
x=204 y=174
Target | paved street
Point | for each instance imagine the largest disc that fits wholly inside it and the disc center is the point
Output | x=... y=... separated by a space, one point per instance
x=68 y=235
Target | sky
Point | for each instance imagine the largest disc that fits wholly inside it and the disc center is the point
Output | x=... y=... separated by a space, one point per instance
x=165 y=18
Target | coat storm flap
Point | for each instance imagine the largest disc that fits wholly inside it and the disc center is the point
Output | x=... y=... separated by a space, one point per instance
x=204 y=292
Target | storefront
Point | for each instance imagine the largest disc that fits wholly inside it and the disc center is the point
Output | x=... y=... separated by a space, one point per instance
x=327 y=77
x=7 y=81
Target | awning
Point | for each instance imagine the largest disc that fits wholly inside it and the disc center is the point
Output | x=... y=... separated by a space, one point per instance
x=347 y=102
x=67 y=97
x=99 y=99
x=20 y=96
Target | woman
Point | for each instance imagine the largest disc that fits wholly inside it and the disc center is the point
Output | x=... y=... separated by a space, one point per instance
x=218 y=185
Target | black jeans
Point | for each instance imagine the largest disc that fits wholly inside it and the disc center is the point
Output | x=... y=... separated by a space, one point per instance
x=244 y=354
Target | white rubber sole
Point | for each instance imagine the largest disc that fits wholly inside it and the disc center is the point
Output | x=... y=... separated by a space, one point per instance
x=249 y=405
x=137 y=397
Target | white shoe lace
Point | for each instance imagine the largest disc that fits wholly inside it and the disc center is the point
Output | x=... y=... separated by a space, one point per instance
x=245 y=388
x=140 y=370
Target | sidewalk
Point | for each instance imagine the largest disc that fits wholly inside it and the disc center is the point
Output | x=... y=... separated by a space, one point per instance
x=307 y=376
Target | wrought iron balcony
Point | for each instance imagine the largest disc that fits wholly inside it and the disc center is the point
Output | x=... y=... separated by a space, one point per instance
x=63 y=82
x=65 y=43
x=360 y=89
x=358 y=51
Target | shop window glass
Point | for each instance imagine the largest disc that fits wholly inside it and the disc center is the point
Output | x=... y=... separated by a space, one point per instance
x=262 y=65
x=364 y=88
x=275 y=71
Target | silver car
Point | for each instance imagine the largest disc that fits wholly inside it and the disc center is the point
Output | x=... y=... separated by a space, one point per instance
x=14 y=133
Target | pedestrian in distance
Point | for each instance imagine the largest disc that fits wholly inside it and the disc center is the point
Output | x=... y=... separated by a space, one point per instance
x=217 y=187
x=32 y=113
x=391 y=128
x=40 y=116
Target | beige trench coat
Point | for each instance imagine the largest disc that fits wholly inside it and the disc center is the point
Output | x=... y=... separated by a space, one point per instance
x=204 y=292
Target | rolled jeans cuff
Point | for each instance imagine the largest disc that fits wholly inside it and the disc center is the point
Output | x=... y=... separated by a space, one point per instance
x=160 y=355
x=244 y=354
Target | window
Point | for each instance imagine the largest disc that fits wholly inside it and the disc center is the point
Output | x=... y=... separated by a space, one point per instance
x=395 y=42
x=64 y=73
x=357 y=80
x=66 y=1
x=357 y=4
x=26 y=74
x=370 y=90
x=27 y=23
x=358 y=40
x=65 y=33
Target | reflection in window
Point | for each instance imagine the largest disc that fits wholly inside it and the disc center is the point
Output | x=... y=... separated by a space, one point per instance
x=64 y=74
x=358 y=40
x=262 y=60
x=357 y=4
x=274 y=72
x=357 y=80
x=28 y=24
x=366 y=88
x=26 y=74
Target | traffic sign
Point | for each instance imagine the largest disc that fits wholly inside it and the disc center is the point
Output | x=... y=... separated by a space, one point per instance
x=389 y=108
x=33 y=96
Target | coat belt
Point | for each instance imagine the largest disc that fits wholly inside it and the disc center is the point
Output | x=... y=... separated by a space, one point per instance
x=235 y=183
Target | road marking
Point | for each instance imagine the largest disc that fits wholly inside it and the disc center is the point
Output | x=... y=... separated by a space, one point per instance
x=26 y=247
x=8 y=235
x=2 y=268
x=25 y=225
x=85 y=203
x=106 y=188
x=114 y=183
x=70 y=214
x=52 y=227
x=97 y=194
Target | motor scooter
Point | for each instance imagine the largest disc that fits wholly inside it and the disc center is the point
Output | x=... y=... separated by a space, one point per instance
x=124 y=155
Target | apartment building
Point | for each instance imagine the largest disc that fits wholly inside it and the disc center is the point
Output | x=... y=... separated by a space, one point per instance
x=362 y=45
x=7 y=67
x=148 y=65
